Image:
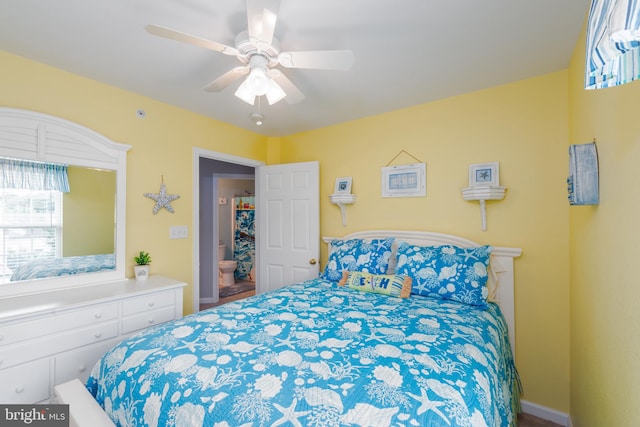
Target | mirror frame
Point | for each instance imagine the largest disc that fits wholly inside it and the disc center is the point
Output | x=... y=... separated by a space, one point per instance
x=41 y=137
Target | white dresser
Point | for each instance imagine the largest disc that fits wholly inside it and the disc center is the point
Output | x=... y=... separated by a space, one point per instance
x=50 y=338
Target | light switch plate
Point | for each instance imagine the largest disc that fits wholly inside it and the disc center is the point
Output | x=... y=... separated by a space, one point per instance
x=178 y=232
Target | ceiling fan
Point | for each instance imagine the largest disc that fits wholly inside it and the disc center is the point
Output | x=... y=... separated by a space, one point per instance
x=259 y=53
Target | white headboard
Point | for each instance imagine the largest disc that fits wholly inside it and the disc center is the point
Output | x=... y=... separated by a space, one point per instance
x=502 y=278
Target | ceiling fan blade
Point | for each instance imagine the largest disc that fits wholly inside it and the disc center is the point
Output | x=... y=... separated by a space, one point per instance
x=226 y=79
x=293 y=93
x=168 y=33
x=319 y=59
x=261 y=19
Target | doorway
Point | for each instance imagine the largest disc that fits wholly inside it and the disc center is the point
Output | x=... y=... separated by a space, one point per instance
x=207 y=167
x=235 y=222
x=287 y=208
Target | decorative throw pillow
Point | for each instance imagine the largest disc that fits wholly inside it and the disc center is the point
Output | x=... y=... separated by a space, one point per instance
x=447 y=272
x=387 y=284
x=367 y=256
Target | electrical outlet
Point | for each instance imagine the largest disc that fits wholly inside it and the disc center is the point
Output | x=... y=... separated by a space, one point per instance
x=178 y=232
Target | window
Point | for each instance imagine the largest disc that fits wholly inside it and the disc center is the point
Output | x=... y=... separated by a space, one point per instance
x=30 y=227
x=613 y=43
x=30 y=212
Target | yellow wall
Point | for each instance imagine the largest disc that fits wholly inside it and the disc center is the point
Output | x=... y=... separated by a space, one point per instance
x=162 y=145
x=524 y=126
x=88 y=212
x=604 y=241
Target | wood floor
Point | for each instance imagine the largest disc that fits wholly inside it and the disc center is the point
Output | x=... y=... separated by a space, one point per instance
x=524 y=420
x=228 y=299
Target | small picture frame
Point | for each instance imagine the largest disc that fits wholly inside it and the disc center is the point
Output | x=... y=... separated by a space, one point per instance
x=343 y=185
x=484 y=175
x=405 y=180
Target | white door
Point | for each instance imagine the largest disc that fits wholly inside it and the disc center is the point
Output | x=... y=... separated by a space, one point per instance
x=287 y=224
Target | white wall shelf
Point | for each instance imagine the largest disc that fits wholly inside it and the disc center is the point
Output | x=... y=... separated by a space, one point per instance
x=482 y=194
x=342 y=200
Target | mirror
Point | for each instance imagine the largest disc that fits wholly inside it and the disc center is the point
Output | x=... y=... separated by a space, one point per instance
x=56 y=233
x=93 y=211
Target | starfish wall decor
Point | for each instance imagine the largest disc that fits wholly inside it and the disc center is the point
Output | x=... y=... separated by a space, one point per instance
x=163 y=200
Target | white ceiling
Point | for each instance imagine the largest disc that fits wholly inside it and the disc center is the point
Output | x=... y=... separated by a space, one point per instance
x=407 y=52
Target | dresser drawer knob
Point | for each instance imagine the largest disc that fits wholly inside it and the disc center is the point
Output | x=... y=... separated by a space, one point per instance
x=82 y=368
x=19 y=389
x=151 y=304
x=98 y=315
x=1 y=337
x=97 y=334
x=151 y=321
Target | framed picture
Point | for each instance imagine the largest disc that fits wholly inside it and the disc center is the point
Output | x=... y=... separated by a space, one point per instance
x=484 y=175
x=404 y=180
x=343 y=185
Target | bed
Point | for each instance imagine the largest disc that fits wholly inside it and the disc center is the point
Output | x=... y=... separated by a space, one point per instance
x=400 y=329
x=64 y=266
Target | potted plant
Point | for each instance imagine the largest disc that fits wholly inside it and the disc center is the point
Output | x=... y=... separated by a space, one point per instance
x=142 y=260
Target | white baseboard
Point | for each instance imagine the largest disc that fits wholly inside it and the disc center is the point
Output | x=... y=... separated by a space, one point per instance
x=546 y=413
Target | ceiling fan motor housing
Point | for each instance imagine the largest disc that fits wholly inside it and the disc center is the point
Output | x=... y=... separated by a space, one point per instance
x=248 y=48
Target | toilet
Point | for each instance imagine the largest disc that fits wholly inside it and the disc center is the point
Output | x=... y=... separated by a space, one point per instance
x=226 y=267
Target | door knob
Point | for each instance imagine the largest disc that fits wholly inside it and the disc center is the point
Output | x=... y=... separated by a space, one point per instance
x=312 y=261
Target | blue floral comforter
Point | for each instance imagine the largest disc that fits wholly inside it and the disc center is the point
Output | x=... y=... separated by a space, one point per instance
x=315 y=354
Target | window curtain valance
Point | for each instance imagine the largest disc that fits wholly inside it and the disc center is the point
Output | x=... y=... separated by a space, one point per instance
x=26 y=175
x=613 y=43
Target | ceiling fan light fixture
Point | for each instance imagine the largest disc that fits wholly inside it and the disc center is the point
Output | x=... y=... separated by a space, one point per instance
x=258 y=81
x=245 y=92
x=274 y=93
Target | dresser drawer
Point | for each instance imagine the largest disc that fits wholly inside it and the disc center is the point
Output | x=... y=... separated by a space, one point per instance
x=34 y=349
x=79 y=362
x=25 y=383
x=58 y=322
x=145 y=320
x=147 y=302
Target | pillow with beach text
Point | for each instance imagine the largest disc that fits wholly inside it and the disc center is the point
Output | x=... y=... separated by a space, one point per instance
x=394 y=285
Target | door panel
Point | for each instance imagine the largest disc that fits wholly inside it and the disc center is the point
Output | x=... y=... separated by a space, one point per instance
x=275 y=229
x=288 y=221
x=301 y=225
